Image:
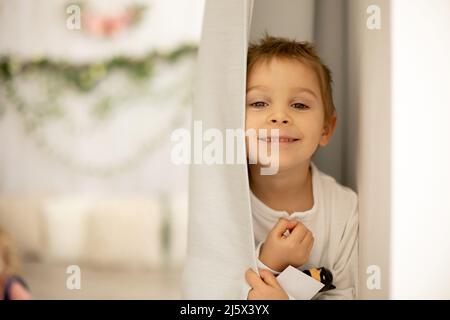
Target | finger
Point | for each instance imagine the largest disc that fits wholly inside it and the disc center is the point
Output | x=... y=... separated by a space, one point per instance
x=269 y=278
x=310 y=246
x=291 y=224
x=253 y=279
x=299 y=233
x=308 y=240
x=280 y=228
x=251 y=294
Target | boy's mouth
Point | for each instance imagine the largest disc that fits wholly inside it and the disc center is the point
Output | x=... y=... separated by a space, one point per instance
x=281 y=139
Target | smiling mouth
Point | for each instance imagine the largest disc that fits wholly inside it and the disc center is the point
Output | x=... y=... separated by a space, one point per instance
x=279 y=140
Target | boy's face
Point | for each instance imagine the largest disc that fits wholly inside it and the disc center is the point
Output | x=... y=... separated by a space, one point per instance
x=285 y=94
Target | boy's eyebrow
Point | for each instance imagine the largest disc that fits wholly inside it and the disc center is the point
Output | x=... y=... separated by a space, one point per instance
x=296 y=89
x=301 y=89
x=256 y=87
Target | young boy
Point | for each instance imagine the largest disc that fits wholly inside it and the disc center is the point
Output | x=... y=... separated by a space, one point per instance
x=289 y=89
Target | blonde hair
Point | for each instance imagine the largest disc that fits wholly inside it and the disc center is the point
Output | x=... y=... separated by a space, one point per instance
x=276 y=47
x=8 y=253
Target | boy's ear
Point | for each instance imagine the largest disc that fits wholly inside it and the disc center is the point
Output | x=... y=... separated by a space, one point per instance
x=328 y=130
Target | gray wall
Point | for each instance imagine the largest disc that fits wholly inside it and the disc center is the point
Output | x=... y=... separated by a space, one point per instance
x=284 y=18
x=330 y=39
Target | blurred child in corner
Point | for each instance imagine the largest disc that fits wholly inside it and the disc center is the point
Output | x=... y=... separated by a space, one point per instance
x=12 y=286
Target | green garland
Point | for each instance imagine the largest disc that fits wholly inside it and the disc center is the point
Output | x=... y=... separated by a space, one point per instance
x=85 y=77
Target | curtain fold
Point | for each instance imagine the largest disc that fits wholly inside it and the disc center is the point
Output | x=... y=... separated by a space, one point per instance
x=220 y=235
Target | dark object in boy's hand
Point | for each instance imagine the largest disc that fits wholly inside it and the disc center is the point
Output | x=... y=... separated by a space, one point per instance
x=323 y=275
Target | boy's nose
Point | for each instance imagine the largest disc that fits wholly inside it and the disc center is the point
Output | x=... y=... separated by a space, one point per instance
x=285 y=121
x=281 y=119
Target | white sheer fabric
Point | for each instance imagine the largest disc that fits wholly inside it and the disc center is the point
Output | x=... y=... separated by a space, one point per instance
x=220 y=235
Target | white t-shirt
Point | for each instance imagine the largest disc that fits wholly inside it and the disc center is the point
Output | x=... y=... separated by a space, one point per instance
x=333 y=220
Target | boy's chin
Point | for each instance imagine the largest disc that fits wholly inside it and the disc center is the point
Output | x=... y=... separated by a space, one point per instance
x=285 y=164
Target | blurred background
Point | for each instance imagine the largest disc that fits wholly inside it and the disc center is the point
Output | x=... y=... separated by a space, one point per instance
x=91 y=90
x=89 y=94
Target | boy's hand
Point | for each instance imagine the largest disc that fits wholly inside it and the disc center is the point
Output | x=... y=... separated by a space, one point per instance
x=264 y=287
x=279 y=251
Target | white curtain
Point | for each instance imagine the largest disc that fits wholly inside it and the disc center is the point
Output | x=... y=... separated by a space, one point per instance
x=220 y=235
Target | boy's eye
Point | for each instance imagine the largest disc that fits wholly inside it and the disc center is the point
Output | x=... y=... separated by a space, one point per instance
x=258 y=104
x=300 y=106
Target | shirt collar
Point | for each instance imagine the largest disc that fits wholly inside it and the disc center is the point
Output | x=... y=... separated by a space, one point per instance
x=260 y=208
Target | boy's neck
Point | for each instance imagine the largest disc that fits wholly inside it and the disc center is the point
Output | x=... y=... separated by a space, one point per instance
x=289 y=190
